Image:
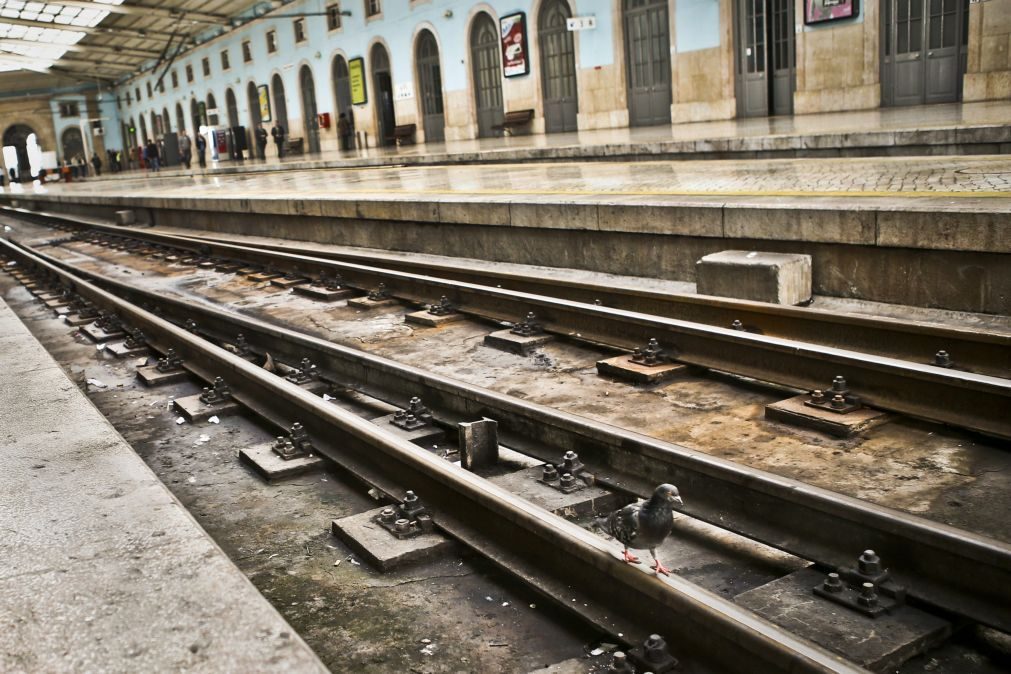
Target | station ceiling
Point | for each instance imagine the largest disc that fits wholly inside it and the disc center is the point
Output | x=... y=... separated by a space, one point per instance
x=54 y=44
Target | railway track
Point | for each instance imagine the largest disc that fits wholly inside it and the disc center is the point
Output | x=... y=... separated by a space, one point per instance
x=812 y=523
x=772 y=352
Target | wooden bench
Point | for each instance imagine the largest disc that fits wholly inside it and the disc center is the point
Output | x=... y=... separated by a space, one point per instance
x=403 y=134
x=294 y=146
x=514 y=120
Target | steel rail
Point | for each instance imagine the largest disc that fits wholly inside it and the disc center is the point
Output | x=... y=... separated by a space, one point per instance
x=959 y=571
x=972 y=350
x=523 y=538
x=976 y=402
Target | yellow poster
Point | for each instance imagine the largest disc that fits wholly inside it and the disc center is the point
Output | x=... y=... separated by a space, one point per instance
x=264 y=103
x=356 y=75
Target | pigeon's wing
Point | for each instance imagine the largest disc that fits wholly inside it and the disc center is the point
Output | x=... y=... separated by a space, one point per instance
x=623 y=524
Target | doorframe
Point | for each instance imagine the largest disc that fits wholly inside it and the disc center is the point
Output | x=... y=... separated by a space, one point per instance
x=374 y=100
x=473 y=128
x=736 y=39
x=419 y=106
x=618 y=31
x=534 y=45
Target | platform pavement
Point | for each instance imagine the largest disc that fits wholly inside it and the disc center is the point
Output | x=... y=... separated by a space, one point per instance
x=104 y=570
x=949 y=128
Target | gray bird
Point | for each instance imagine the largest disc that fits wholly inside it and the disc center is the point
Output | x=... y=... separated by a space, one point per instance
x=644 y=526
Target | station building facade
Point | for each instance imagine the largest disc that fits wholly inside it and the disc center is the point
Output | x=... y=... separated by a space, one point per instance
x=454 y=68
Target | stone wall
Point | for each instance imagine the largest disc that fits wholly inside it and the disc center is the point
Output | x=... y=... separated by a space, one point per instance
x=838 y=65
x=703 y=78
x=988 y=75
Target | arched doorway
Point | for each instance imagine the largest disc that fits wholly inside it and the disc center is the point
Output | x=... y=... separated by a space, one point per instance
x=195 y=116
x=16 y=136
x=211 y=112
x=144 y=138
x=342 y=90
x=280 y=105
x=765 y=73
x=156 y=125
x=487 y=67
x=924 y=47
x=430 y=86
x=382 y=84
x=166 y=120
x=72 y=144
x=558 y=67
x=180 y=118
x=309 y=120
x=253 y=100
x=233 y=108
x=647 y=62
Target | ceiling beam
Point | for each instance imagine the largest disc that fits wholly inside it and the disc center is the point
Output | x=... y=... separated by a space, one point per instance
x=31 y=63
x=147 y=10
x=81 y=47
x=139 y=33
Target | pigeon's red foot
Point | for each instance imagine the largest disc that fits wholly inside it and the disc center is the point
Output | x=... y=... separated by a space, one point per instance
x=630 y=558
x=660 y=568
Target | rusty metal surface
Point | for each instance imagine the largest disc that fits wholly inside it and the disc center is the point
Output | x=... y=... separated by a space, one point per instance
x=807 y=521
x=558 y=557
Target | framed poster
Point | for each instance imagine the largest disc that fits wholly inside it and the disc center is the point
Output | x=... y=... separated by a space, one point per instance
x=822 y=11
x=515 y=55
x=356 y=78
x=264 y=96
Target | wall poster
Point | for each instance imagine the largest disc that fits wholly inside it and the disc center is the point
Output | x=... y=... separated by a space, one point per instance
x=264 y=96
x=821 y=11
x=515 y=56
x=356 y=78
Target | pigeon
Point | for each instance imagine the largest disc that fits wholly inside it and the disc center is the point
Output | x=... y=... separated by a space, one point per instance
x=645 y=525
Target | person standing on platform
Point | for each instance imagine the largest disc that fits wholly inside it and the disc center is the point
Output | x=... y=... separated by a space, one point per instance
x=261 y=141
x=277 y=132
x=96 y=161
x=152 y=155
x=185 y=149
x=344 y=131
x=202 y=150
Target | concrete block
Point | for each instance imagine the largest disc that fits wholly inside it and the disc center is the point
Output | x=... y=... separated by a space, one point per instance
x=195 y=410
x=430 y=320
x=126 y=217
x=286 y=282
x=56 y=302
x=478 y=443
x=325 y=295
x=366 y=303
x=506 y=340
x=269 y=465
x=623 y=367
x=382 y=549
x=97 y=334
x=262 y=276
x=879 y=644
x=228 y=267
x=420 y=436
x=152 y=376
x=61 y=311
x=586 y=499
x=794 y=411
x=75 y=320
x=121 y=350
x=778 y=278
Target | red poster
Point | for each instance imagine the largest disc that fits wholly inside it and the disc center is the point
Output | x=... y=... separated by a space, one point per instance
x=515 y=56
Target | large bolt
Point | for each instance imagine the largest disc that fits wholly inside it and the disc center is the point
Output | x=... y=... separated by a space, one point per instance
x=868 y=595
x=737 y=325
x=943 y=359
x=550 y=474
x=402 y=526
x=620 y=664
x=656 y=649
x=839 y=383
x=869 y=563
x=832 y=583
x=838 y=402
x=567 y=481
x=818 y=397
x=388 y=515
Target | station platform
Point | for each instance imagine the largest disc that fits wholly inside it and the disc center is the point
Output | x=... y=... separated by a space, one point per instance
x=104 y=569
x=955 y=128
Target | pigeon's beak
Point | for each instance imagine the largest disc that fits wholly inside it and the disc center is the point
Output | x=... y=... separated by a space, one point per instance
x=677 y=499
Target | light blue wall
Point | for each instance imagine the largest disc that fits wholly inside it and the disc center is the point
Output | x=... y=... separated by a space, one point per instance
x=696 y=25
x=61 y=124
x=397 y=29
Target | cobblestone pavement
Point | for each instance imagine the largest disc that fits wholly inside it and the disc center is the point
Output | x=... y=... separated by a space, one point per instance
x=985 y=177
